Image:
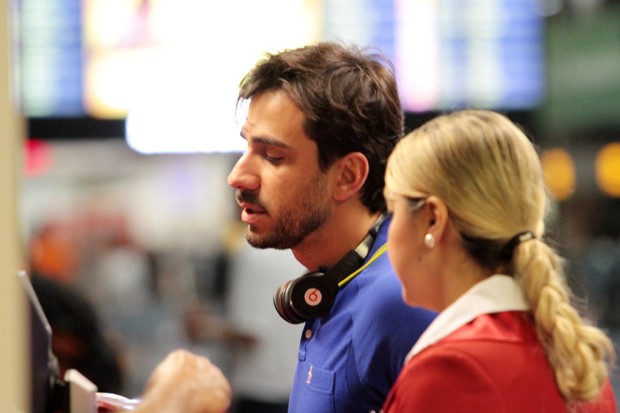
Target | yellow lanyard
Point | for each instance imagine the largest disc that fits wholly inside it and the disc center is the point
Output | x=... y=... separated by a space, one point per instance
x=376 y=255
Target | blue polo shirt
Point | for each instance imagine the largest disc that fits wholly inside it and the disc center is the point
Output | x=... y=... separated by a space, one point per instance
x=349 y=359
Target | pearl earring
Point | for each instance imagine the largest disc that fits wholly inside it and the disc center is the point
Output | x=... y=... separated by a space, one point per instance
x=429 y=240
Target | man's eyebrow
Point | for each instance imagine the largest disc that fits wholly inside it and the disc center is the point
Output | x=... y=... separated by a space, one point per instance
x=268 y=141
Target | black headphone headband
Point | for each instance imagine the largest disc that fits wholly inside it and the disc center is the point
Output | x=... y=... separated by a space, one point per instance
x=312 y=295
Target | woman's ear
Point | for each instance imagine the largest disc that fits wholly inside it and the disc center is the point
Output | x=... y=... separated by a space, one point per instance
x=352 y=171
x=437 y=217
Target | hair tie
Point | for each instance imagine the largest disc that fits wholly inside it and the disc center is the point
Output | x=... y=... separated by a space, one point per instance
x=516 y=240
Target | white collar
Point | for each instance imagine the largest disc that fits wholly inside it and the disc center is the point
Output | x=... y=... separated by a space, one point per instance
x=495 y=294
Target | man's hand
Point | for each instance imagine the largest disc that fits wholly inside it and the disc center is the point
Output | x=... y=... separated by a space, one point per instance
x=186 y=383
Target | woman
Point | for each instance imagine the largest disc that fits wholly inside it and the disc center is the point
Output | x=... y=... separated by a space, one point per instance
x=468 y=201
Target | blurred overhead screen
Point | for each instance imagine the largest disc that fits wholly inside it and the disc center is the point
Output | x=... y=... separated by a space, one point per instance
x=107 y=59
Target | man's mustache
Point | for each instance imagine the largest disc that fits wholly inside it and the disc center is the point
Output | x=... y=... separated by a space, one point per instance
x=248 y=197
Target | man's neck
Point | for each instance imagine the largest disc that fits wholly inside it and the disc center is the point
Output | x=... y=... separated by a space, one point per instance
x=341 y=233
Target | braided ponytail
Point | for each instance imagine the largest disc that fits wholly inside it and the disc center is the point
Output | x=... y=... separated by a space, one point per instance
x=578 y=351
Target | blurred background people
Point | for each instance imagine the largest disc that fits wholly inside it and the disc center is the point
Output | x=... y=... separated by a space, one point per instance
x=78 y=338
x=262 y=346
x=262 y=375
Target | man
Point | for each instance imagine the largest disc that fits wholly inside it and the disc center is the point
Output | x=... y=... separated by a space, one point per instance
x=321 y=123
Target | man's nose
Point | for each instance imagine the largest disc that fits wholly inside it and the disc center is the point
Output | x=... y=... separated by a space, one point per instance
x=242 y=176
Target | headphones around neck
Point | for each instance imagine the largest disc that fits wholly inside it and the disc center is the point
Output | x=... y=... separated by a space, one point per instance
x=313 y=294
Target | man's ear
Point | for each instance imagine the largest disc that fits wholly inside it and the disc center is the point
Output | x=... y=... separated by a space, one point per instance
x=351 y=172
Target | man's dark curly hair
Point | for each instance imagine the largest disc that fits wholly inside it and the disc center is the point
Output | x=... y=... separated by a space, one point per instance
x=350 y=100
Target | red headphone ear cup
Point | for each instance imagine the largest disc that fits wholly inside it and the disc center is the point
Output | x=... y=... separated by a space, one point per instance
x=284 y=305
x=289 y=307
x=277 y=300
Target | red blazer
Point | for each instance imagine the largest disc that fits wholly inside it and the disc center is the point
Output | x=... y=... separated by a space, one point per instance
x=493 y=364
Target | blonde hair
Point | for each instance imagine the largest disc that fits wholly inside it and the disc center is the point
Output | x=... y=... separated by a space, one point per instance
x=489 y=175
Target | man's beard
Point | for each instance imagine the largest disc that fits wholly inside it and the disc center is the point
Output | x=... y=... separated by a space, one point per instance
x=290 y=229
x=294 y=222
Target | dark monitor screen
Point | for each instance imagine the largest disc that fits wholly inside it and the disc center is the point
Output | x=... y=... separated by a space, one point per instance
x=44 y=368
